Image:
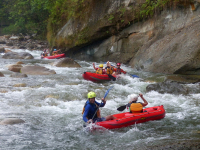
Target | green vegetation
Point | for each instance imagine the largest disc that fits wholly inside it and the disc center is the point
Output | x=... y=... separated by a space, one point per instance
x=32 y=16
x=38 y=16
x=25 y=16
x=111 y=18
x=150 y=7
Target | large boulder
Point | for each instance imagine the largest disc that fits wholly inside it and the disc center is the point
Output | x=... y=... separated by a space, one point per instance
x=7 y=36
x=15 y=68
x=20 y=85
x=2 y=49
x=9 y=44
x=19 y=63
x=36 y=70
x=168 y=87
x=11 y=121
x=1 y=74
x=2 y=42
x=14 y=55
x=18 y=75
x=66 y=62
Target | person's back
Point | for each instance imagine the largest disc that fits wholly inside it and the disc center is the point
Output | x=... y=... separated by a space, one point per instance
x=134 y=106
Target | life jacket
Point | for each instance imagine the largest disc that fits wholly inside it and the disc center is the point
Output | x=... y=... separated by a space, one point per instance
x=97 y=115
x=99 y=71
x=136 y=108
x=118 y=71
x=55 y=53
x=109 y=70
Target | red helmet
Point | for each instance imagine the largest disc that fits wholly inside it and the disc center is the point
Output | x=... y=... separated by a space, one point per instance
x=118 y=64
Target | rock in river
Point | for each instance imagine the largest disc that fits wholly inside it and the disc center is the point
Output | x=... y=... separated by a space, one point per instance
x=36 y=70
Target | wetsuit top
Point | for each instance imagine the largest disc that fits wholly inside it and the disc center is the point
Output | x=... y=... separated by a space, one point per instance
x=119 y=71
x=90 y=110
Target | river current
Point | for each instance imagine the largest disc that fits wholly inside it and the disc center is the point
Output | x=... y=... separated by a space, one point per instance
x=51 y=106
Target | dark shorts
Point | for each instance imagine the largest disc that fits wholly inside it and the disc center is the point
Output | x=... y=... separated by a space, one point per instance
x=99 y=119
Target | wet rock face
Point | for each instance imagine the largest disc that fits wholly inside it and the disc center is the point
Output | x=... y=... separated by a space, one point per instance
x=15 y=68
x=36 y=70
x=14 y=55
x=167 y=43
x=2 y=49
x=66 y=62
x=168 y=87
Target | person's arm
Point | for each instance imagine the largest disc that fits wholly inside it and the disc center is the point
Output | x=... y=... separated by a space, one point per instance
x=94 y=67
x=101 y=104
x=145 y=102
x=114 y=71
x=123 y=71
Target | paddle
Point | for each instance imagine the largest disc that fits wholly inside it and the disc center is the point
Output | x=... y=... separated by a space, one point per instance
x=111 y=77
x=108 y=91
x=134 y=76
x=104 y=98
x=121 y=108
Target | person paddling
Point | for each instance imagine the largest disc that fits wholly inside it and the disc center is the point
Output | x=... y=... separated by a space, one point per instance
x=56 y=52
x=44 y=53
x=99 y=70
x=134 y=106
x=109 y=68
x=118 y=70
x=91 y=112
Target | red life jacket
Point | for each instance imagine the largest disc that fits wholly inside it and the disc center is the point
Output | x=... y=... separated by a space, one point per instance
x=118 y=71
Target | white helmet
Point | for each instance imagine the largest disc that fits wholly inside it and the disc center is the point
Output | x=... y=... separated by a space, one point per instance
x=133 y=97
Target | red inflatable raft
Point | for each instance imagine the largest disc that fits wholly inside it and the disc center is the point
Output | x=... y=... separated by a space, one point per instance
x=127 y=118
x=97 y=77
x=55 y=56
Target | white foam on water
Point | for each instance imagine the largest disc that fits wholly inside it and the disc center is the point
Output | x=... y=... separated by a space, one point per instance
x=52 y=107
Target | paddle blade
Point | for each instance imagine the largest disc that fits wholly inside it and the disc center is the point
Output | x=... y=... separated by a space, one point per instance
x=108 y=91
x=121 y=108
x=111 y=77
x=134 y=76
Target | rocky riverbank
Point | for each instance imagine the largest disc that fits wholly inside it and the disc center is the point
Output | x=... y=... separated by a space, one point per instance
x=21 y=42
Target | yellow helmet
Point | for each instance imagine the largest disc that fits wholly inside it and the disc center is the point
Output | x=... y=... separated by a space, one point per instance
x=101 y=65
x=91 y=95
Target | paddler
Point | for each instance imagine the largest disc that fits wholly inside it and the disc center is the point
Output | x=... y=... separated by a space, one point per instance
x=99 y=70
x=118 y=70
x=91 y=112
x=134 y=106
x=55 y=52
x=109 y=68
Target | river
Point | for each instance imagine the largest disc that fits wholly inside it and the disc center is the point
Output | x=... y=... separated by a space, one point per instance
x=51 y=106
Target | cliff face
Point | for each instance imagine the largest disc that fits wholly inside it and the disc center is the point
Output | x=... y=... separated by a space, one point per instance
x=111 y=30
